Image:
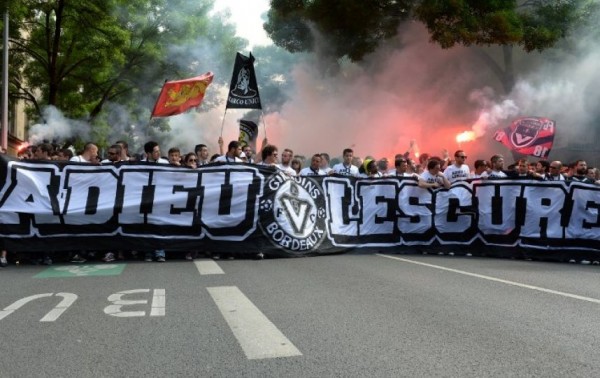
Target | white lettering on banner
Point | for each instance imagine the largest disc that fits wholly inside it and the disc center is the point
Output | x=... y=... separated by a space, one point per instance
x=383 y=207
x=448 y=215
x=29 y=192
x=239 y=101
x=94 y=195
x=283 y=239
x=228 y=203
x=157 y=307
x=135 y=184
x=340 y=202
x=380 y=198
x=176 y=204
x=67 y=300
x=585 y=215
x=500 y=202
x=298 y=215
x=416 y=215
x=278 y=180
x=130 y=196
x=543 y=212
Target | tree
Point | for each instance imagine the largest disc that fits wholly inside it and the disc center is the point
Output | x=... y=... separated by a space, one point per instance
x=81 y=55
x=533 y=25
x=65 y=48
x=352 y=28
x=355 y=30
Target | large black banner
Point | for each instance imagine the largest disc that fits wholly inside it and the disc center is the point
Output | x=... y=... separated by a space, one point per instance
x=244 y=209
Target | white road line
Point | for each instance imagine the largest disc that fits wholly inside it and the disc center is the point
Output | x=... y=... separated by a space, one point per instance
x=208 y=266
x=494 y=279
x=258 y=337
x=159 y=302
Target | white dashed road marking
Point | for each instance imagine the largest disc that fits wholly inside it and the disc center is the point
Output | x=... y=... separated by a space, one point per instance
x=207 y=266
x=258 y=337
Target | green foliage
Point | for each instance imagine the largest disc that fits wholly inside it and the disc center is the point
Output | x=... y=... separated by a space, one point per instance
x=549 y=22
x=287 y=25
x=355 y=28
x=68 y=50
x=534 y=25
x=351 y=28
x=82 y=55
x=470 y=22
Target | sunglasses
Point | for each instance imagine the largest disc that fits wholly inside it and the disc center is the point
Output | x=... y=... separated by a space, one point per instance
x=192 y=161
x=461 y=156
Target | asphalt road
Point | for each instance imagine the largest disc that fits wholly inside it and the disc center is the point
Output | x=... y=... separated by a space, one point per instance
x=345 y=315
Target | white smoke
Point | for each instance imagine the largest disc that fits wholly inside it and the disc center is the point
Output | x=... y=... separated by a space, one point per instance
x=409 y=89
x=564 y=85
x=417 y=92
x=193 y=128
x=492 y=113
x=412 y=89
x=57 y=128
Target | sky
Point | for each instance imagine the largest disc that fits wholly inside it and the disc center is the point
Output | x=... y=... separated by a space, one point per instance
x=246 y=15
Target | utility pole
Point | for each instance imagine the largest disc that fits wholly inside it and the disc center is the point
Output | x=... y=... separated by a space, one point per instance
x=4 y=136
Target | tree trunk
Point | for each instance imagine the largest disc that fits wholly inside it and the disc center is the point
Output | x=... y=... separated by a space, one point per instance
x=506 y=75
x=508 y=79
x=53 y=52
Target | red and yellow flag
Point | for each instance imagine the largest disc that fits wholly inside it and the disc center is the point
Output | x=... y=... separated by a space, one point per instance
x=178 y=96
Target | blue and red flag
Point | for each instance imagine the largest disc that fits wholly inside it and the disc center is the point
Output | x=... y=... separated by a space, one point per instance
x=531 y=136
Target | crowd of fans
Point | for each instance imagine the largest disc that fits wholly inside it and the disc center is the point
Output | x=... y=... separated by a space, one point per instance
x=430 y=171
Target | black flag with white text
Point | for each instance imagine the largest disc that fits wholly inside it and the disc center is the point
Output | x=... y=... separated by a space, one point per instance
x=243 y=90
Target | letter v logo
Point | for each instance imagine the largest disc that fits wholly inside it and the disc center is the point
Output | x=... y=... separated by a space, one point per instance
x=296 y=211
x=522 y=139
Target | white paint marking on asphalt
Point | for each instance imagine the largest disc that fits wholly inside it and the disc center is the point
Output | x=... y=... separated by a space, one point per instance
x=159 y=301
x=494 y=279
x=52 y=315
x=208 y=266
x=20 y=303
x=258 y=337
x=68 y=300
x=116 y=298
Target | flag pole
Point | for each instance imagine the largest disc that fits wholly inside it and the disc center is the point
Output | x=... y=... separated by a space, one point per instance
x=4 y=132
x=264 y=122
x=223 y=122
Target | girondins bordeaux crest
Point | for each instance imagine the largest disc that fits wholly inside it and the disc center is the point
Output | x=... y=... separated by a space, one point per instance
x=532 y=136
